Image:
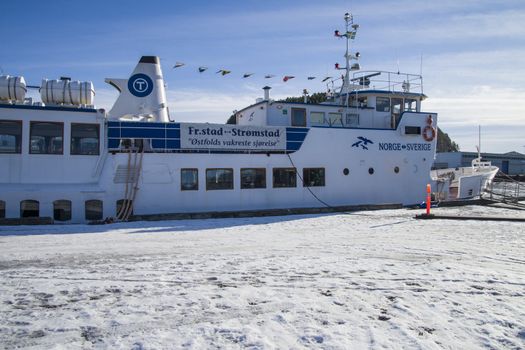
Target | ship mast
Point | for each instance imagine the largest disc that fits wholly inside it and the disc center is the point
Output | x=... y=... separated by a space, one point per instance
x=350 y=33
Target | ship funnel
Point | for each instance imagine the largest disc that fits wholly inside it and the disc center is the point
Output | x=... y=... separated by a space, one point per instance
x=142 y=96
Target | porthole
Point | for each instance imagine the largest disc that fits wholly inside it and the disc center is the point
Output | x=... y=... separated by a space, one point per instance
x=346 y=171
x=396 y=170
x=370 y=171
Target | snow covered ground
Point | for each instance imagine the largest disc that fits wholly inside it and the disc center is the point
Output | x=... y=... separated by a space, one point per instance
x=340 y=281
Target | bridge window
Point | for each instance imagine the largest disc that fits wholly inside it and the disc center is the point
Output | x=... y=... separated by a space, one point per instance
x=2 y=209
x=317 y=118
x=85 y=139
x=189 y=179
x=284 y=177
x=219 y=179
x=29 y=209
x=382 y=104
x=298 y=117
x=10 y=136
x=313 y=177
x=46 y=138
x=253 y=178
x=410 y=105
x=94 y=209
x=62 y=210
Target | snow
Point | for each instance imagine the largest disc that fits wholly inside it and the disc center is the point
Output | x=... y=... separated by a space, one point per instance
x=377 y=279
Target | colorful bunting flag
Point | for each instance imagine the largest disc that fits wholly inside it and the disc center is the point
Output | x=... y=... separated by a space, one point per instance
x=311 y=78
x=178 y=64
x=325 y=79
x=247 y=75
x=269 y=76
x=202 y=69
x=288 y=77
x=224 y=71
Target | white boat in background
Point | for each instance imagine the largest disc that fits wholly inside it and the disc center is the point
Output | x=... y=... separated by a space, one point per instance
x=62 y=158
x=453 y=184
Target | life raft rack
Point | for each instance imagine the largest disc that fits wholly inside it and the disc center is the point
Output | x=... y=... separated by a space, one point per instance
x=429 y=132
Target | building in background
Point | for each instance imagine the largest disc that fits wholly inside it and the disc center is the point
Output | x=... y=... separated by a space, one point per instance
x=511 y=163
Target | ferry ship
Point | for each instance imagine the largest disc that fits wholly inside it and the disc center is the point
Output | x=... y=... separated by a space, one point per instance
x=61 y=158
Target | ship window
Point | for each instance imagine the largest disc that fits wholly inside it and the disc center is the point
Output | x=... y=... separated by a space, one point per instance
x=62 y=210
x=94 y=209
x=189 y=179
x=46 y=138
x=284 y=177
x=335 y=119
x=85 y=139
x=382 y=104
x=410 y=105
x=352 y=119
x=253 y=178
x=124 y=204
x=219 y=179
x=10 y=136
x=2 y=209
x=371 y=171
x=396 y=170
x=298 y=117
x=412 y=130
x=29 y=209
x=346 y=171
x=316 y=118
x=313 y=177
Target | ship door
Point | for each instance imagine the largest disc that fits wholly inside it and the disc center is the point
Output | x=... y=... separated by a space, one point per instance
x=396 y=106
x=298 y=117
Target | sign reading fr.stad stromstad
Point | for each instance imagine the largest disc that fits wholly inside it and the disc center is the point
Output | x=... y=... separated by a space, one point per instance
x=232 y=137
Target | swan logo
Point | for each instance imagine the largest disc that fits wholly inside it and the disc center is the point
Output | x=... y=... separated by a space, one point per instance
x=140 y=85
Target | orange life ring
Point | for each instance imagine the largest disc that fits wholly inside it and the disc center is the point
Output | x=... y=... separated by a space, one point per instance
x=429 y=137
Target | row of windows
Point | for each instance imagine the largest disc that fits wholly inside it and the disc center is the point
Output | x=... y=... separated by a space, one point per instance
x=48 y=138
x=222 y=179
x=93 y=209
x=322 y=118
x=396 y=105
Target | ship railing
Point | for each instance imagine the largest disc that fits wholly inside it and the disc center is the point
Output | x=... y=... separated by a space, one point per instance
x=387 y=81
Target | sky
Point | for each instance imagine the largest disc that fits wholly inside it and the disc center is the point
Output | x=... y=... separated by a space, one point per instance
x=471 y=53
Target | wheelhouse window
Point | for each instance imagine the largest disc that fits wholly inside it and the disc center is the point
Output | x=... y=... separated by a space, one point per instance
x=253 y=178
x=93 y=209
x=335 y=119
x=284 y=177
x=189 y=179
x=10 y=136
x=313 y=177
x=2 y=209
x=62 y=210
x=85 y=139
x=46 y=138
x=316 y=117
x=298 y=117
x=29 y=209
x=410 y=105
x=382 y=104
x=219 y=179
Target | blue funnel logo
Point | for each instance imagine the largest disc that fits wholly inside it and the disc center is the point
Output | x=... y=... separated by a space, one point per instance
x=140 y=85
